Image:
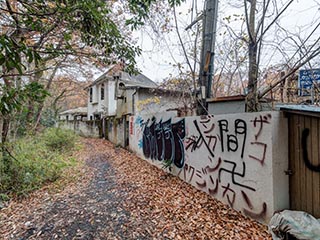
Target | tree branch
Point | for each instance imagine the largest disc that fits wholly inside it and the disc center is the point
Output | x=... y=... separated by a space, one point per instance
x=293 y=70
x=274 y=20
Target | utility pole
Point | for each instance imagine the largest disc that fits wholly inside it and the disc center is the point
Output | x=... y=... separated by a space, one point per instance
x=210 y=15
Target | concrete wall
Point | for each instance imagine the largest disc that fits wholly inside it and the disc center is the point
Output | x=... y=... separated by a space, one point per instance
x=159 y=103
x=83 y=128
x=125 y=104
x=102 y=104
x=95 y=94
x=112 y=132
x=239 y=106
x=227 y=107
x=239 y=159
x=67 y=116
x=115 y=130
x=112 y=102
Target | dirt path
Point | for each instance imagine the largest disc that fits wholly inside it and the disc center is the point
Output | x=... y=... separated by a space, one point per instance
x=119 y=196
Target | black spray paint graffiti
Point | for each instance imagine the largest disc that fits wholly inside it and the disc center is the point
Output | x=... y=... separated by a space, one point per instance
x=305 y=134
x=240 y=128
x=209 y=177
x=164 y=141
x=233 y=173
x=227 y=178
x=195 y=142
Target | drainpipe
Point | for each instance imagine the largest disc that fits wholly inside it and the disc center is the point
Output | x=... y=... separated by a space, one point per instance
x=135 y=91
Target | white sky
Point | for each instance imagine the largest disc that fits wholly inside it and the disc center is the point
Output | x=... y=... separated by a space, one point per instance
x=301 y=16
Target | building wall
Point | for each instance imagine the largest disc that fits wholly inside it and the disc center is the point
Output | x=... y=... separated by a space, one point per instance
x=63 y=117
x=141 y=101
x=147 y=102
x=95 y=94
x=112 y=126
x=68 y=117
x=102 y=104
x=92 y=106
x=125 y=104
x=239 y=159
x=83 y=128
x=105 y=106
x=227 y=107
x=115 y=131
x=112 y=102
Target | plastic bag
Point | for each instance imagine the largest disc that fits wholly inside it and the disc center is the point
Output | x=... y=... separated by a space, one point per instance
x=297 y=224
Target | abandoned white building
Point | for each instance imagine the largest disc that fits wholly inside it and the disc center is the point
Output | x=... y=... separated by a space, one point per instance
x=116 y=95
x=102 y=93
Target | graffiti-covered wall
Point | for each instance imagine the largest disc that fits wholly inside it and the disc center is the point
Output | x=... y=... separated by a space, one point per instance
x=239 y=159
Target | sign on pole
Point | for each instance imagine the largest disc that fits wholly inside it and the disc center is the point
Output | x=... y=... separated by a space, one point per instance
x=307 y=80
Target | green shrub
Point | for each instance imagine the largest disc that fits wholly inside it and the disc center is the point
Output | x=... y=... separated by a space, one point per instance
x=59 y=139
x=48 y=118
x=36 y=160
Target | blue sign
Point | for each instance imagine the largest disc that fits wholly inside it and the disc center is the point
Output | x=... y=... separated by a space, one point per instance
x=307 y=79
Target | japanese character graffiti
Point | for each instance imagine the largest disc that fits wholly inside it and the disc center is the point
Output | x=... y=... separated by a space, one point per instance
x=263 y=146
x=232 y=141
x=164 y=140
x=258 y=122
x=195 y=142
x=225 y=177
x=304 y=139
x=259 y=215
x=221 y=156
x=233 y=173
x=204 y=137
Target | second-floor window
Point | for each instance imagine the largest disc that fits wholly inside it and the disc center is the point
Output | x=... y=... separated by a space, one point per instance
x=102 y=91
x=90 y=94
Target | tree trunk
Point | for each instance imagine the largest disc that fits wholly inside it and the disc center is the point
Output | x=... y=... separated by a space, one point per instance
x=38 y=116
x=5 y=129
x=4 y=137
x=41 y=105
x=252 y=98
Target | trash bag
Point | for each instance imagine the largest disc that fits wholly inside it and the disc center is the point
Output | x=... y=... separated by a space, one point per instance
x=294 y=225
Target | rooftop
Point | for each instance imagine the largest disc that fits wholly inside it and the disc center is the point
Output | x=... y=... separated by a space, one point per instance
x=128 y=79
x=299 y=109
x=79 y=110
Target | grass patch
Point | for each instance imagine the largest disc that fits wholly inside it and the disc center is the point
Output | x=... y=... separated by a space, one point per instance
x=36 y=160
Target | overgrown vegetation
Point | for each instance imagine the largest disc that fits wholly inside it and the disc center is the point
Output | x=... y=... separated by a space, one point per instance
x=167 y=164
x=35 y=161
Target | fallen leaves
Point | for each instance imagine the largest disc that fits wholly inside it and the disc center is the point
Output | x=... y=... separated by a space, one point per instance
x=173 y=208
x=119 y=196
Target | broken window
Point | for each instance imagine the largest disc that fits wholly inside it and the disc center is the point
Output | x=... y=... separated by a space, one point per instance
x=90 y=94
x=102 y=91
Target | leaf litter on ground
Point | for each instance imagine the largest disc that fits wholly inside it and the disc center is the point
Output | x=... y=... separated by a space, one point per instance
x=113 y=194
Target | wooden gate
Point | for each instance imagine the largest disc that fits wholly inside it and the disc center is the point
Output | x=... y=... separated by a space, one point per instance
x=304 y=161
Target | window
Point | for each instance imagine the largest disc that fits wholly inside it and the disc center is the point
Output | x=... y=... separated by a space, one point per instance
x=121 y=85
x=102 y=91
x=90 y=94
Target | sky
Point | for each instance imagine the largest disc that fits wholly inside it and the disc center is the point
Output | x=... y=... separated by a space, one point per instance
x=300 y=17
